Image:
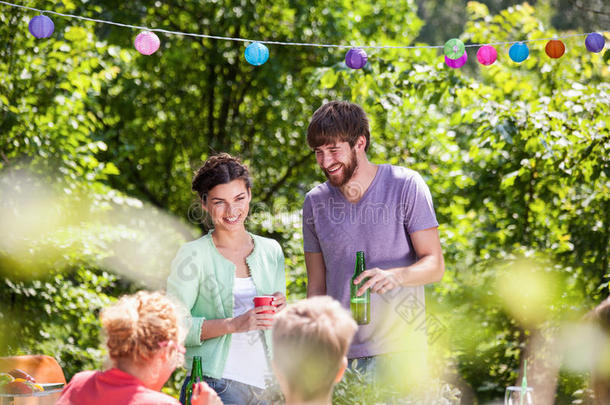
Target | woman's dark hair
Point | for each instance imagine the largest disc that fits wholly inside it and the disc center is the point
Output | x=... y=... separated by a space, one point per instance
x=219 y=169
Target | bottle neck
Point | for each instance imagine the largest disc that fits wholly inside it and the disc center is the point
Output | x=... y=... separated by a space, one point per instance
x=196 y=371
x=360 y=266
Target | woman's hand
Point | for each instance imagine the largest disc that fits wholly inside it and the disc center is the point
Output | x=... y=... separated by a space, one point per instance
x=254 y=319
x=204 y=395
x=279 y=301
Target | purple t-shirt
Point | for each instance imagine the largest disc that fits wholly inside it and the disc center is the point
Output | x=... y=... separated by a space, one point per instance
x=396 y=204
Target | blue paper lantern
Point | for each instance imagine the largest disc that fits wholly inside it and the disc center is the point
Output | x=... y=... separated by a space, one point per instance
x=41 y=26
x=356 y=58
x=595 y=42
x=256 y=54
x=519 y=52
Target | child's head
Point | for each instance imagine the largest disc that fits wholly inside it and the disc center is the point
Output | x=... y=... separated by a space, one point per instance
x=310 y=343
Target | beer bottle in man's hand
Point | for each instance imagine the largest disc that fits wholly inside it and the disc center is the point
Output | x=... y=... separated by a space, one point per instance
x=360 y=305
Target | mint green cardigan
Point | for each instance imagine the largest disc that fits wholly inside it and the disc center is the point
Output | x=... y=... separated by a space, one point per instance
x=202 y=279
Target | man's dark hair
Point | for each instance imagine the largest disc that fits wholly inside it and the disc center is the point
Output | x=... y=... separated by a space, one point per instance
x=219 y=169
x=338 y=121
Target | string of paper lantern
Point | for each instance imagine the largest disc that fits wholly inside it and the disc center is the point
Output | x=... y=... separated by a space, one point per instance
x=257 y=53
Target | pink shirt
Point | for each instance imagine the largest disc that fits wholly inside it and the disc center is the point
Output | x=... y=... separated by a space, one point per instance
x=114 y=387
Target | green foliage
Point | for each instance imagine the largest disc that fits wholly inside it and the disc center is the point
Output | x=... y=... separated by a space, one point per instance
x=39 y=316
x=359 y=388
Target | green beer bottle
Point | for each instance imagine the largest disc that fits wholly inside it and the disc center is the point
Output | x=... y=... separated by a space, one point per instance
x=196 y=376
x=360 y=306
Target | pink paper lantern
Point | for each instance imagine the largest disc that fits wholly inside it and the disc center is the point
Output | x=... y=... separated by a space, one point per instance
x=487 y=55
x=457 y=63
x=147 y=43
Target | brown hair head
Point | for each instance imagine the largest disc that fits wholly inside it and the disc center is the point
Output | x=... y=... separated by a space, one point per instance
x=601 y=315
x=136 y=325
x=600 y=377
x=338 y=121
x=310 y=340
x=219 y=169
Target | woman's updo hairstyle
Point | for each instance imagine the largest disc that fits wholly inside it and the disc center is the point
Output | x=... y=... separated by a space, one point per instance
x=136 y=325
x=219 y=169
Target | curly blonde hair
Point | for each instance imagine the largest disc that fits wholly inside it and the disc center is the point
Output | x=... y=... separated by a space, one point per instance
x=136 y=325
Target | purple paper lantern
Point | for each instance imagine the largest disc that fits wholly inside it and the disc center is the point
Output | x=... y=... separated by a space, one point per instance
x=487 y=55
x=457 y=63
x=595 y=42
x=356 y=58
x=41 y=26
x=147 y=43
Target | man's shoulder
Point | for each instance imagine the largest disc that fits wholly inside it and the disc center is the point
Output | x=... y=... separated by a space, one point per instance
x=319 y=191
x=401 y=172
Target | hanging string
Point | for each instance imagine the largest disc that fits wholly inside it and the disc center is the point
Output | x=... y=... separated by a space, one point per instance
x=191 y=34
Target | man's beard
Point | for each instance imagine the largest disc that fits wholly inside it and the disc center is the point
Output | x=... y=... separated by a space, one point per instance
x=348 y=171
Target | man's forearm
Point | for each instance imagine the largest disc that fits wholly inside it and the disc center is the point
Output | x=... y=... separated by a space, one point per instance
x=312 y=291
x=428 y=269
x=316 y=274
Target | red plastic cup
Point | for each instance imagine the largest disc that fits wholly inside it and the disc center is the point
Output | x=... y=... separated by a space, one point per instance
x=264 y=300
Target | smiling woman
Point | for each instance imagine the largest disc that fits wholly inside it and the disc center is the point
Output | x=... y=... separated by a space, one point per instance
x=217 y=278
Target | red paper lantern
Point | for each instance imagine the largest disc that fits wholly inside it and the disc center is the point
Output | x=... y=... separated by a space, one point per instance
x=555 y=48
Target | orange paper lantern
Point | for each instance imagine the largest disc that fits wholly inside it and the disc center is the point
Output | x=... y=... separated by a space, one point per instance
x=555 y=48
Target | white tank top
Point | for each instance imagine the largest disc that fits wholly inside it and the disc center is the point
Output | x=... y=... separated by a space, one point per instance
x=246 y=362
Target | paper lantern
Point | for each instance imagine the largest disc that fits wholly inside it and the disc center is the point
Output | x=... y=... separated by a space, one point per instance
x=454 y=48
x=555 y=48
x=147 y=43
x=595 y=42
x=456 y=63
x=519 y=52
x=487 y=55
x=356 y=58
x=256 y=54
x=41 y=26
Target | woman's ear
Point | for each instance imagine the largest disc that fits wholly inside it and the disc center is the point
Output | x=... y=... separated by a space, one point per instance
x=341 y=371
